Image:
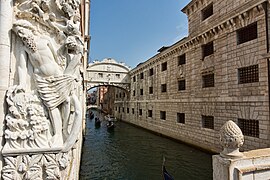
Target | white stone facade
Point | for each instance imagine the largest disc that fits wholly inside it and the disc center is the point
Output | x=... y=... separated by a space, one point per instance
x=44 y=54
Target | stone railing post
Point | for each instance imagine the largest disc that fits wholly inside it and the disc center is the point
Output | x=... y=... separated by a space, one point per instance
x=231 y=139
x=231 y=164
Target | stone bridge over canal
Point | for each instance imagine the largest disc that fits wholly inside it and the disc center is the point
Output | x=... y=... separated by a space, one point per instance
x=107 y=72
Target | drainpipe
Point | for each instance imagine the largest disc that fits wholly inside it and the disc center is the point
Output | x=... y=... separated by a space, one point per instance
x=6 y=12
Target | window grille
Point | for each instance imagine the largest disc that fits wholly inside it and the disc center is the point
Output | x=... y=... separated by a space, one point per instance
x=249 y=127
x=247 y=33
x=141 y=75
x=150 y=113
x=163 y=87
x=164 y=66
x=151 y=72
x=181 y=85
x=207 y=49
x=207 y=12
x=182 y=59
x=150 y=90
x=208 y=122
x=141 y=91
x=140 y=112
x=208 y=80
x=248 y=74
x=181 y=118
x=163 y=115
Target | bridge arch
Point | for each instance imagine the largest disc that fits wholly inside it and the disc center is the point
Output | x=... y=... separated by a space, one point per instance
x=108 y=72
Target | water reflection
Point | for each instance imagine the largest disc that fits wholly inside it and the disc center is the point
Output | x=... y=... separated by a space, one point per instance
x=131 y=153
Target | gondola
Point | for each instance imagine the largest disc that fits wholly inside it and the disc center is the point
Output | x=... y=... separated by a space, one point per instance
x=97 y=122
x=110 y=125
x=165 y=174
x=91 y=115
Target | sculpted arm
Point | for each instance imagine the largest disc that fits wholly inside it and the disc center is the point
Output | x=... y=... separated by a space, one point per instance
x=22 y=69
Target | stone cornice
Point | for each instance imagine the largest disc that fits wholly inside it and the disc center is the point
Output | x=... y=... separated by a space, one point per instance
x=193 y=6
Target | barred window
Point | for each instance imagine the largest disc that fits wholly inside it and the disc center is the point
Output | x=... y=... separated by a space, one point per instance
x=208 y=122
x=150 y=113
x=181 y=118
x=182 y=59
x=140 y=112
x=181 y=85
x=248 y=74
x=164 y=66
x=208 y=80
x=207 y=49
x=247 y=33
x=141 y=75
x=207 y=12
x=249 y=127
x=141 y=91
x=163 y=115
x=151 y=72
x=163 y=87
x=150 y=90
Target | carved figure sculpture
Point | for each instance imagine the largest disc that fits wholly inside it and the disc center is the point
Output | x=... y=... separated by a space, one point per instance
x=55 y=88
x=231 y=138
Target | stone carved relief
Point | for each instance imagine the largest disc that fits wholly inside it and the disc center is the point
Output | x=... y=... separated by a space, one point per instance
x=34 y=167
x=45 y=114
x=231 y=139
x=27 y=126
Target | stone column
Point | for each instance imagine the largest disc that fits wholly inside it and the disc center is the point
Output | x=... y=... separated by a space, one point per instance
x=6 y=11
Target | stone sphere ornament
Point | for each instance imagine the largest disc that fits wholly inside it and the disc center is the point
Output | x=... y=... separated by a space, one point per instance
x=231 y=139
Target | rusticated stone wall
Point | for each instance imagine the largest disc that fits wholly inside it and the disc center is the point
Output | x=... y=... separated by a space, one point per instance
x=227 y=98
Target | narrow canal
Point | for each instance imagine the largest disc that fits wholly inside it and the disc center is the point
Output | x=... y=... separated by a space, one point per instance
x=131 y=153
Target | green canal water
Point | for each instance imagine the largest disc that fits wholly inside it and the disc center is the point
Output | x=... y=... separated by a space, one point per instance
x=131 y=153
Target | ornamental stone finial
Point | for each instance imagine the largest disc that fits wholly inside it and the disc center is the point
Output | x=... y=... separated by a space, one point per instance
x=231 y=138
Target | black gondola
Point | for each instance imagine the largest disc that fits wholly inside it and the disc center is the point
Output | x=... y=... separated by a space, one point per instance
x=91 y=115
x=165 y=174
x=97 y=122
x=110 y=125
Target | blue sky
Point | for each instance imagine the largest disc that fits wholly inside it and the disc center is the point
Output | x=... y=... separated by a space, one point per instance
x=131 y=31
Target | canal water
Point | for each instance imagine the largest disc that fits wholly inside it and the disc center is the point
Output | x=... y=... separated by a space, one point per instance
x=132 y=153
